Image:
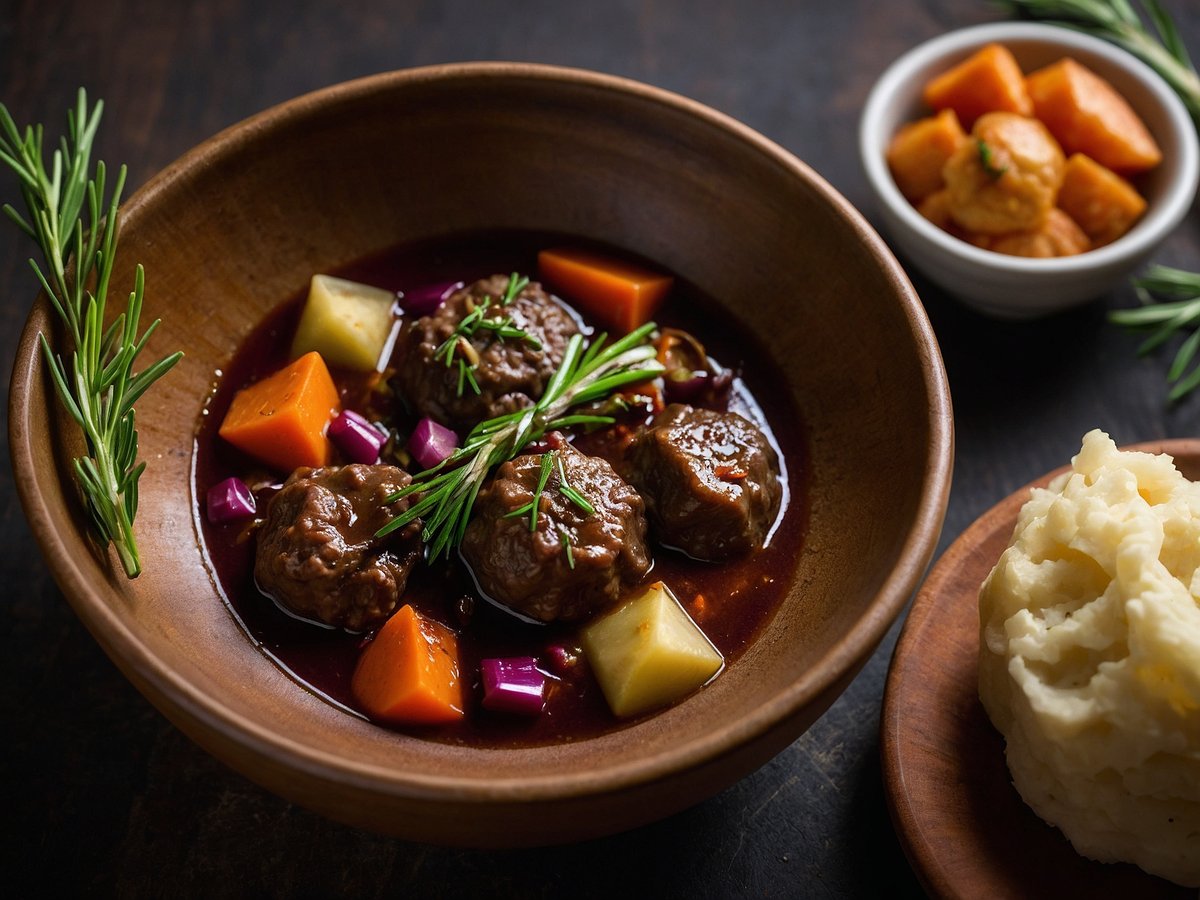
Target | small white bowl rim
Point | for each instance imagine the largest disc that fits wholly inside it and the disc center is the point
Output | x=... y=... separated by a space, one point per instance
x=1159 y=220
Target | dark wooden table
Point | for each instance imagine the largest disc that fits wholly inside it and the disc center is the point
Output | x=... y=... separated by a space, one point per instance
x=101 y=795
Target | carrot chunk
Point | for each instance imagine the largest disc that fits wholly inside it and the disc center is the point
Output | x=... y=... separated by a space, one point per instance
x=408 y=674
x=920 y=150
x=282 y=419
x=1103 y=203
x=620 y=295
x=1087 y=115
x=988 y=81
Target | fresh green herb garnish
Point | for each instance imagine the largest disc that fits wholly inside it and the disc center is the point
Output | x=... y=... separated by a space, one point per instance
x=96 y=382
x=448 y=490
x=566 y=542
x=457 y=347
x=987 y=160
x=1170 y=307
x=1118 y=21
x=571 y=493
x=533 y=505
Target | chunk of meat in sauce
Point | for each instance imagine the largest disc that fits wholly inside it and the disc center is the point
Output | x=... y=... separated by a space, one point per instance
x=530 y=571
x=511 y=372
x=317 y=553
x=710 y=481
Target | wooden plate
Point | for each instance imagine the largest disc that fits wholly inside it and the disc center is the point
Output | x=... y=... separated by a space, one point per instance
x=966 y=831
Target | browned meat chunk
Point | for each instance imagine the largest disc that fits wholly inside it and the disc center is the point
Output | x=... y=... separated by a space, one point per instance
x=710 y=481
x=317 y=551
x=510 y=372
x=573 y=563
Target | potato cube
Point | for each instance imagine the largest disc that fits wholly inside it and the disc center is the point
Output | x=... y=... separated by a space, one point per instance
x=348 y=323
x=649 y=653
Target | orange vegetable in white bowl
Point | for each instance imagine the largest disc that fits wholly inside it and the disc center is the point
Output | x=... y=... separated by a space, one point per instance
x=1013 y=286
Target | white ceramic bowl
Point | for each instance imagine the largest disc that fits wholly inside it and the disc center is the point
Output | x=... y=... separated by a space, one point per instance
x=1014 y=287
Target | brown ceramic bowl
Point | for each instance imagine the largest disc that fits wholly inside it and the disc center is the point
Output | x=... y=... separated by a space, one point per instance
x=240 y=223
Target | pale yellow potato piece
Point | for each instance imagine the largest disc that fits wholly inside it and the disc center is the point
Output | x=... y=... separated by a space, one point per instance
x=649 y=653
x=348 y=323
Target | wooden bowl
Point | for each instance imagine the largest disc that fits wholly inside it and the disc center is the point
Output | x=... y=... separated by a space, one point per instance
x=240 y=223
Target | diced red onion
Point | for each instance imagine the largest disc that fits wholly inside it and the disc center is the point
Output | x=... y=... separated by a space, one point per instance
x=357 y=438
x=229 y=501
x=513 y=685
x=423 y=300
x=430 y=443
x=687 y=388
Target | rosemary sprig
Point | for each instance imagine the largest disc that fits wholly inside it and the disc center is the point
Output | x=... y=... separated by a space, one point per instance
x=1118 y=21
x=458 y=345
x=1170 y=307
x=96 y=382
x=566 y=543
x=449 y=489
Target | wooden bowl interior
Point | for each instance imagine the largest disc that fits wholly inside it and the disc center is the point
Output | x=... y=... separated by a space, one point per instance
x=241 y=223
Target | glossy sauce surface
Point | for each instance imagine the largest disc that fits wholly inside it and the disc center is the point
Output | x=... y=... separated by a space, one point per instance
x=738 y=597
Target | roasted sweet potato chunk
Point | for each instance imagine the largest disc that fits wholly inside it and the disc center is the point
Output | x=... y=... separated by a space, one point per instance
x=1103 y=203
x=1087 y=115
x=988 y=81
x=920 y=150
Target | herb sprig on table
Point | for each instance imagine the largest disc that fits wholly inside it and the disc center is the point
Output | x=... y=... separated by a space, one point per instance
x=94 y=377
x=1170 y=307
x=448 y=490
x=1118 y=21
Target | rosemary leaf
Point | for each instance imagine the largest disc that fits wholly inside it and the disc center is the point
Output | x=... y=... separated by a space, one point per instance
x=1186 y=353
x=566 y=542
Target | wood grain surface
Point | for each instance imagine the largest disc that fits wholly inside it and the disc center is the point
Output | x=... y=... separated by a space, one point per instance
x=103 y=797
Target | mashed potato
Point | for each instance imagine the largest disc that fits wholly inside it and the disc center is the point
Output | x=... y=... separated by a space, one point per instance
x=1089 y=658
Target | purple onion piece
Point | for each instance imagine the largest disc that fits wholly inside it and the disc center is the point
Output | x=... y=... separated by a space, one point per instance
x=430 y=443
x=421 y=301
x=685 y=386
x=357 y=438
x=229 y=501
x=513 y=685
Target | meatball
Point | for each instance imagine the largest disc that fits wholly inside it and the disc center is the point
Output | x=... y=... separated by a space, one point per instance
x=317 y=552
x=1006 y=177
x=510 y=372
x=573 y=562
x=710 y=481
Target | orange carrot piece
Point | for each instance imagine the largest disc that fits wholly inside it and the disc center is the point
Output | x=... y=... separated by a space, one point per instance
x=408 y=674
x=282 y=419
x=1103 y=203
x=920 y=149
x=987 y=81
x=619 y=295
x=1087 y=115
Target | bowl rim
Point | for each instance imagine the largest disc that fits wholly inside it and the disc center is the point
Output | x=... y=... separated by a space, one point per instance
x=185 y=704
x=899 y=77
